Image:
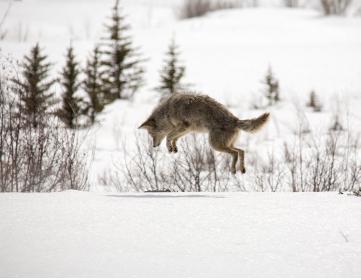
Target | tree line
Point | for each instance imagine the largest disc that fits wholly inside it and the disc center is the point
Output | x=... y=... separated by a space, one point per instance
x=114 y=70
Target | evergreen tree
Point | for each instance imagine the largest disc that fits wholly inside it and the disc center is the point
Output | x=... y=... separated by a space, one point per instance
x=172 y=72
x=93 y=85
x=120 y=60
x=313 y=102
x=71 y=104
x=272 y=87
x=34 y=84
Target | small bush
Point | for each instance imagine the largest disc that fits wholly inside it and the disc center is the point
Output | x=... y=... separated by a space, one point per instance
x=195 y=168
x=198 y=8
x=40 y=158
x=335 y=7
x=291 y=3
x=308 y=163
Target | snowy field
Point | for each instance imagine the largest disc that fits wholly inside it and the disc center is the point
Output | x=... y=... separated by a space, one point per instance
x=240 y=234
x=226 y=54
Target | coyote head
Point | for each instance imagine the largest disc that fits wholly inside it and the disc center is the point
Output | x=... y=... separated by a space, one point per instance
x=154 y=130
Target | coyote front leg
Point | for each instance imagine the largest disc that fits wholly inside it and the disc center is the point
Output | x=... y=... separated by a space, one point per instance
x=173 y=136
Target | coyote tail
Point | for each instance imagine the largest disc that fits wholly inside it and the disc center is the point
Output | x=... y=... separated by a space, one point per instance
x=253 y=125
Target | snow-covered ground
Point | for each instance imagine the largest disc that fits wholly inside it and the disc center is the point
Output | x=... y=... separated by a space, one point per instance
x=227 y=54
x=238 y=234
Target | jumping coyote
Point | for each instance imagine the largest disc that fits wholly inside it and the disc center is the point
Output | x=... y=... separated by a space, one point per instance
x=182 y=113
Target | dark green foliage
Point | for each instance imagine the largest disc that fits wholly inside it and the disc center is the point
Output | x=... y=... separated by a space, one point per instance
x=93 y=86
x=121 y=62
x=172 y=72
x=34 y=85
x=71 y=104
x=272 y=88
x=314 y=103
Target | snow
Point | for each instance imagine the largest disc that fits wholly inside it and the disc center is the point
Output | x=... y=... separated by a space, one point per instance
x=227 y=54
x=180 y=234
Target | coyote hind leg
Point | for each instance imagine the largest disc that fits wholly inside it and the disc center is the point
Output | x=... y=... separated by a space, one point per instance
x=234 y=155
x=219 y=141
x=241 y=159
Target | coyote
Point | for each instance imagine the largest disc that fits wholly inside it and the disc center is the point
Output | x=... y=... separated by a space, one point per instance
x=182 y=113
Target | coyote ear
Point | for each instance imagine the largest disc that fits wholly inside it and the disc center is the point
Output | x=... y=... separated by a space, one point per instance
x=148 y=123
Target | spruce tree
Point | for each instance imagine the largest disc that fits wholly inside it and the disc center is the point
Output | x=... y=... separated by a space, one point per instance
x=172 y=72
x=313 y=102
x=272 y=88
x=93 y=86
x=71 y=103
x=120 y=60
x=35 y=84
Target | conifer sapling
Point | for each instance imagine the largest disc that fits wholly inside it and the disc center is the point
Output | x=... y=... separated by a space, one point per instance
x=172 y=72
x=124 y=74
x=35 y=85
x=93 y=86
x=71 y=103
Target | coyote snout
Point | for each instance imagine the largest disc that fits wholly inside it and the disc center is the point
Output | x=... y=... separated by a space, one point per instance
x=182 y=113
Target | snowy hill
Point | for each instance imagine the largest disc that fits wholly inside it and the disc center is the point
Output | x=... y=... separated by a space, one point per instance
x=241 y=234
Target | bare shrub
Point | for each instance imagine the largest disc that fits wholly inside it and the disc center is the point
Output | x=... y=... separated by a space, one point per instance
x=350 y=167
x=307 y=163
x=268 y=175
x=141 y=169
x=4 y=16
x=323 y=164
x=198 y=8
x=291 y=3
x=195 y=168
x=336 y=123
x=36 y=159
x=335 y=7
x=310 y=163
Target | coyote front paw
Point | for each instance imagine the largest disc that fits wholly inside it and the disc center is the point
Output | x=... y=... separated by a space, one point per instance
x=172 y=149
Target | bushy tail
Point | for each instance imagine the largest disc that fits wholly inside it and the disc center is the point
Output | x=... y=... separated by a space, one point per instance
x=253 y=125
